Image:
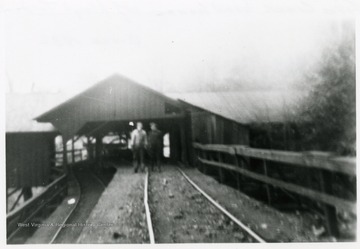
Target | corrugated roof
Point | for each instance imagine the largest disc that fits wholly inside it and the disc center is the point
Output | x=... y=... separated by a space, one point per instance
x=247 y=106
x=22 y=108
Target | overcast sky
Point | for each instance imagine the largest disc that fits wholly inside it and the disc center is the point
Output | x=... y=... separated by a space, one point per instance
x=168 y=45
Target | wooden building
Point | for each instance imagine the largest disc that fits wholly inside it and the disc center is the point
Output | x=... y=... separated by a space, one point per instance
x=114 y=105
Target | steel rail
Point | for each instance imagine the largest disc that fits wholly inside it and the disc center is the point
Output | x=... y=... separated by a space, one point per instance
x=223 y=210
x=147 y=210
x=67 y=216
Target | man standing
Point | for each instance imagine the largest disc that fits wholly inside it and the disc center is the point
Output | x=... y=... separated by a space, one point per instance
x=138 y=144
x=155 y=146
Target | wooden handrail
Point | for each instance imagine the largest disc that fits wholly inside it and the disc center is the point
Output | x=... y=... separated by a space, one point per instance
x=69 y=151
x=31 y=200
x=325 y=163
x=32 y=206
x=332 y=200
x=311 y=159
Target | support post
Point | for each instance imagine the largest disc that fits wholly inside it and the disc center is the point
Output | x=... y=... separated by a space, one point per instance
x=189 y=138
x=326 y=182
x=27 y=192
x=73 y=150
x=204 y=156
x=65 y=162
x=98 y=148
x=267 y=187
x=89 y=149
x=183 y=143
x=221 y=173
x=237 y=163
x=175 y=145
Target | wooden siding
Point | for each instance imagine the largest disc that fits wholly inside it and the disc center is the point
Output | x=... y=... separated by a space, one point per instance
x=208 y=128
x=199 y=125
x=28 y=158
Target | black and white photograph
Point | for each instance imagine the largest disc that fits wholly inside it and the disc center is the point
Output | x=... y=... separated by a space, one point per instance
x=190 y=123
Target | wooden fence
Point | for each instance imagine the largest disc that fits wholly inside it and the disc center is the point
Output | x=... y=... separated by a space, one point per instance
x=325 y=164
x=73 y=156
x=34 y=205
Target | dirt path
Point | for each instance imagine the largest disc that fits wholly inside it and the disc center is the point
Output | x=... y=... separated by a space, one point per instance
x=182 y=215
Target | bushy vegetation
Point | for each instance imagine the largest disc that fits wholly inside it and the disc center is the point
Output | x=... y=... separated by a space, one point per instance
x=328 y=116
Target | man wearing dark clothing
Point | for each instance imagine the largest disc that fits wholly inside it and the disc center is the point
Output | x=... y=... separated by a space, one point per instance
x=155 y=142
x=138 y=144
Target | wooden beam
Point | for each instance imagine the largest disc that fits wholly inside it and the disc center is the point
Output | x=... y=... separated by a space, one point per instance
x=267 y=187
x=183 y=143
x=65 y=162
x=73 y=150
x=326 y=181
x=318 y=160
x=17 y=200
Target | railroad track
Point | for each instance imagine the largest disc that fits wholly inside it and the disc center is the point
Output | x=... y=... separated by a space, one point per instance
x=255 y=237
x=73 y=215
x=65 y=234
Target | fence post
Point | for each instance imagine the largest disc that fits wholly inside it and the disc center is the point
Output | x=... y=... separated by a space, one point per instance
x=221 y=173
x=204 y=156
x=326 y=186
x=237 y=163
x=326 y=181
x=267 y=187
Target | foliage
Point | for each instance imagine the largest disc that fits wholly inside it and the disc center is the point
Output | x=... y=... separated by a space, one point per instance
x=328 y=115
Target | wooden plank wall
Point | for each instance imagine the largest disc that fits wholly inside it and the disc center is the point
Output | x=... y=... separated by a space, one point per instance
x=28 y=158
x=208 y=128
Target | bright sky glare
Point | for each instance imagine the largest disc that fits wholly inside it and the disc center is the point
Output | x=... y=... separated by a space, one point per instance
x=168 y=45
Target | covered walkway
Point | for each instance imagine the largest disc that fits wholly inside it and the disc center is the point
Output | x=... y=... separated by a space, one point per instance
x=111 y=108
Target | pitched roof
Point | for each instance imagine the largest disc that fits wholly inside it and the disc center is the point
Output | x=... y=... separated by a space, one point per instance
x=115 y=98
x=244 y=107
x=247 y=106
x=111 y=81
x=22 y=108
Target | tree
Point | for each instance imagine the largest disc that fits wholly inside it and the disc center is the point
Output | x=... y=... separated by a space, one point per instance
x=328 y=116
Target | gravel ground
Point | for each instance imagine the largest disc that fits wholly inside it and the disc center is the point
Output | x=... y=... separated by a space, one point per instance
x=269 y=223
x=119 y=216
x=182 y=215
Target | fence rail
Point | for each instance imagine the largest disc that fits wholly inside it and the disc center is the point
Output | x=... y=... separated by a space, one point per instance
x=324 y=163
x=75 y=155
x=24 y=213
x=313 y=159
